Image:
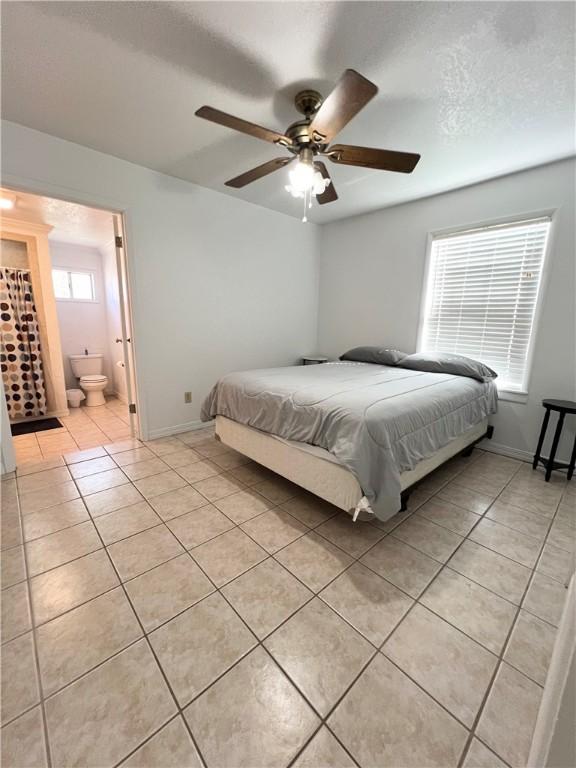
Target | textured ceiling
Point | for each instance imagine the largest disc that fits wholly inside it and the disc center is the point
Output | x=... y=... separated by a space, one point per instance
x=71 y=223
x=479 y=89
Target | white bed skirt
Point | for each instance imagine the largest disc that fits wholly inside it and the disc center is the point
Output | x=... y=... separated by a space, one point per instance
x=318 y=471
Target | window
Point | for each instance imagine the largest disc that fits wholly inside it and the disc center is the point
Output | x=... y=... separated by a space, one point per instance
x=73 y=286
x=481 y=296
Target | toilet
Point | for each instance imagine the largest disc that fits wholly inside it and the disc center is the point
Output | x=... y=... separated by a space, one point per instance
x=88 y=370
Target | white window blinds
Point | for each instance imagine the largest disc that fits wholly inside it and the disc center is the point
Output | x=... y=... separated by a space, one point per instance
x=481 y=296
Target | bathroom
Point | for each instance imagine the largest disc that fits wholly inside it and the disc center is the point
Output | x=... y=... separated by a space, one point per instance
x=66 y=258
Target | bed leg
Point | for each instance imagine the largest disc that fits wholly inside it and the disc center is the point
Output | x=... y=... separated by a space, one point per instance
x=467 y=451
x=489 y=432
x=404 y=496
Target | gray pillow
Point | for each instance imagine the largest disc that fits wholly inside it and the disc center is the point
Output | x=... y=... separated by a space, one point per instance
x=445 y=362
x=375 y=355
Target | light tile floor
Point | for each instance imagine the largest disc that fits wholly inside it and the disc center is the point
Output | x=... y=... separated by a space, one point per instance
x=83 y=428
x=171 y=604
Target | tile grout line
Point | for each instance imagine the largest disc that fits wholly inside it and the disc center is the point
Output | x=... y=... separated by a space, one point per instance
x=315 y=594
x=151 y=649
x=40 y=687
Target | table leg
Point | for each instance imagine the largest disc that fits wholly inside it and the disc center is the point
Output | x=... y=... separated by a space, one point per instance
x=572 y=461
x=545 y=421
x=550 y=464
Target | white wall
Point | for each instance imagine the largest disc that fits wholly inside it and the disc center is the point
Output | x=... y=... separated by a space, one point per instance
x=217 y=284
x=117 y=378
x=83 y=325
x=372 y=272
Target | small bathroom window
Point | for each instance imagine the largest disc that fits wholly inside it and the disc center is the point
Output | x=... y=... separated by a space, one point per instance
x=73 y=286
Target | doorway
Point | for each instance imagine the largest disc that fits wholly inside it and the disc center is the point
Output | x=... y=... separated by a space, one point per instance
x=69 y=261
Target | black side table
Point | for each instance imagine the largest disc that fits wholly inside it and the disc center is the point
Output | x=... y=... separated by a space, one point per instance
x=562 y=407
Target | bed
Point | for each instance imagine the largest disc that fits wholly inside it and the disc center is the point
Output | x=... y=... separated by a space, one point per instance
x=356 y=434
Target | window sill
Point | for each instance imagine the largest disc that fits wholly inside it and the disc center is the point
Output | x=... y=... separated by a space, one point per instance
x=512 y=396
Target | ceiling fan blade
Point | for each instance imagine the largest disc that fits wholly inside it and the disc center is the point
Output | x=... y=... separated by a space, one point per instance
x=237 y=124
x=380 y=159
x=259 y=172
x=329 y=194
x=351 y=93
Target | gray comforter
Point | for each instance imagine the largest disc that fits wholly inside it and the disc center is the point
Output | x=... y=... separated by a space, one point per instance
x=376 y=420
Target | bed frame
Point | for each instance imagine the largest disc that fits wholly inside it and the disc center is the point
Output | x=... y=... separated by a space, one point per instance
x=317 y=471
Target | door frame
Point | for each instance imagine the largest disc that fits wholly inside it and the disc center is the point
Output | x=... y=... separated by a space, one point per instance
x=121 y=210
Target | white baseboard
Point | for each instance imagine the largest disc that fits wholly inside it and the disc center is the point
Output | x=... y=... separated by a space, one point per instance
x=514 y=453
x=176 y=429
x=505 y=450
x=121 y=396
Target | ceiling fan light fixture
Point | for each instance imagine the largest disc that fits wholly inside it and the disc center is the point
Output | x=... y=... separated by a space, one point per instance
x=305 y=179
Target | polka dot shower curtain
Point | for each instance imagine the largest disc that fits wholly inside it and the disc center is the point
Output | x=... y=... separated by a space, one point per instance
x=20 y=352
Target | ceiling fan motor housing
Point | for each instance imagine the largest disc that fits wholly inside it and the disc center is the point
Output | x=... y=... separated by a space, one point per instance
x=308 y=102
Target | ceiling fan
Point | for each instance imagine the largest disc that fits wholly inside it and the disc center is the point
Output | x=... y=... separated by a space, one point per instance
x=309 y=138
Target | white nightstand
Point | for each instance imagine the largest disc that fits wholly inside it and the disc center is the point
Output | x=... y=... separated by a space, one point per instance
x=313 y=359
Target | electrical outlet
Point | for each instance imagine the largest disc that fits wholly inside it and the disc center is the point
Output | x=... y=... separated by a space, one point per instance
x=187 y=397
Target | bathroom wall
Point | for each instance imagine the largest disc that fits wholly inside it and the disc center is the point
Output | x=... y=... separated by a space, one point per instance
x=13 y=254
x=117 y=381
x=83 y=325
